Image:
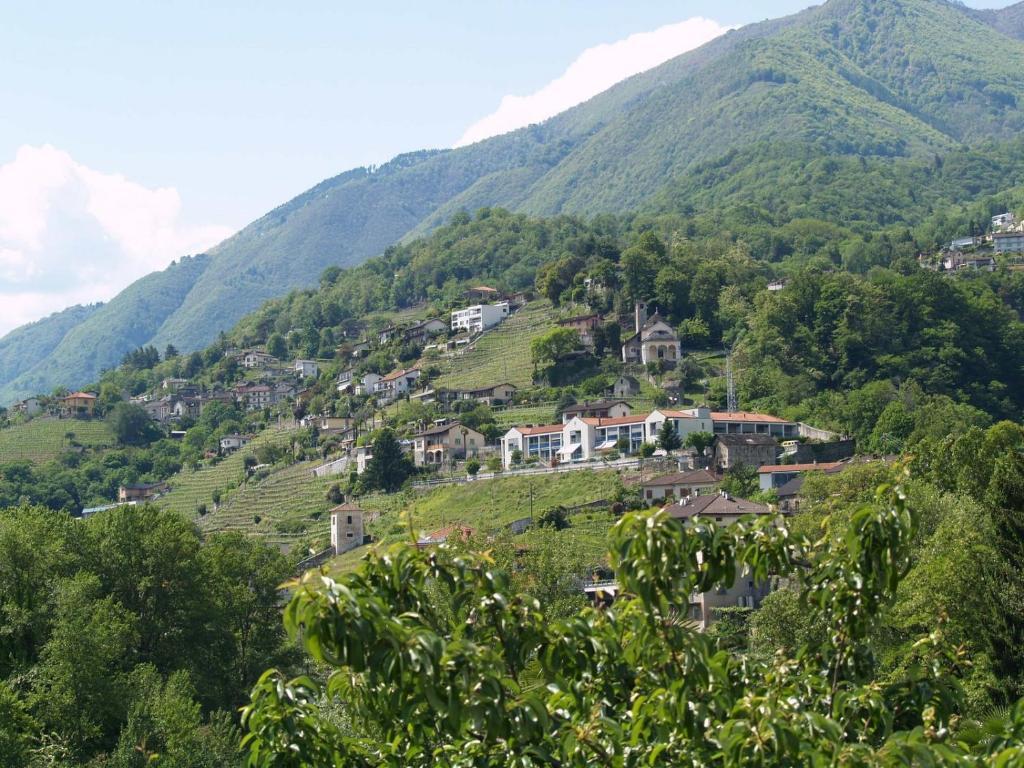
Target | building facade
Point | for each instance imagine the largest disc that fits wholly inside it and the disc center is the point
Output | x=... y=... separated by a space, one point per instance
x=754 y=450
x=445 y=443
x=479 y=317
x=346 y=527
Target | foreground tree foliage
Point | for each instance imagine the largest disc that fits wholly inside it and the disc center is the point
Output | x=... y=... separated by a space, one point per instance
x=482 y=677
x=126 y=642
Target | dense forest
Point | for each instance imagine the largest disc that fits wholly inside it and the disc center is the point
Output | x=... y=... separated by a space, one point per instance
x=126 y=637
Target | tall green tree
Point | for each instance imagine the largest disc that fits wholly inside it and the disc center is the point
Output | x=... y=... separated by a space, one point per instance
x=389 y=467
x=131 y=425
x=668 y=438
x=483 y=677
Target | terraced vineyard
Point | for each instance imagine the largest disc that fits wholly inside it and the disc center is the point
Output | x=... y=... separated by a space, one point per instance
x=487 y=506
x=190 y=488
x=43 y=439
x=501 y=354
x=285 y=505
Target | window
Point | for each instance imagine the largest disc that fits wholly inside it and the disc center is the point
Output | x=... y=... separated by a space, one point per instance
x=349 y=519
x=650 y=494
x=349 y=535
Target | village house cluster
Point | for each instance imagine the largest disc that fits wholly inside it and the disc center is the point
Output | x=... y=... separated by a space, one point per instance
x=978 y=252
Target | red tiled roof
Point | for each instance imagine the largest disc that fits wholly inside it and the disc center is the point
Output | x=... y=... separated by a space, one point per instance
x=694 y=477
x=81 y=395
x=636 y=418
x=715 y=504
x=399 y=374
x=745 y=416
x=822 y=467
x=346 y=507
x=546 y=429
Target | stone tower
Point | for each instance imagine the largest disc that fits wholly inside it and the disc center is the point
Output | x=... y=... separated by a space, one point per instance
x=640 y=315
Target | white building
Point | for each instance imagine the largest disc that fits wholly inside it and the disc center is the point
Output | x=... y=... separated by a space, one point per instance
x=29 y=406
x=306 y=368
x=396 y=385
x=745 y=423
x=479 y=317
x=582 y=439
x=253 y=358
x=1003 y=222
x=540 y=442
x=346 y=527
x=368 y=384
x=230 y=443
x=364 y=453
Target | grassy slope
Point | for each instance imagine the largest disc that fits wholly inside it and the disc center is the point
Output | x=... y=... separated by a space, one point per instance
x=488 y=506
x=289 y=500
x=190 y=488
x=502 y=354
x=42 y=439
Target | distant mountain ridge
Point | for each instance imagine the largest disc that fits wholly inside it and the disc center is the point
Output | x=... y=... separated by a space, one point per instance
x=869 y=78
x=1009 y=21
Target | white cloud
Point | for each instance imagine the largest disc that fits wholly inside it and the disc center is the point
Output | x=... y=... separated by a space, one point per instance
x=593 y=71
x=70 y=234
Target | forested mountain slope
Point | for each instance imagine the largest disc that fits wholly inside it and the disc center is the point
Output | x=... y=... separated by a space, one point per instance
x=22 y=347
x=871 y=79
x=1009 y=21
x=131 y=318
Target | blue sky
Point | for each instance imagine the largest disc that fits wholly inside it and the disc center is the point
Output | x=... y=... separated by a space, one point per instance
x=183 y=121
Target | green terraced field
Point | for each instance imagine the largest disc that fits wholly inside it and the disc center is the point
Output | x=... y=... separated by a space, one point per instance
x=190 y=488
x=485 y=504
x=488 y=506
x=288 y=498
x=43 y=439
x=502 y=354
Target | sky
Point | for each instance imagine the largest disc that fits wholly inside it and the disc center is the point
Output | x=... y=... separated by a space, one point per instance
x=132 y=133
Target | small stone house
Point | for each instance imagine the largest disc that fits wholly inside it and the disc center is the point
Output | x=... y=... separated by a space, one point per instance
x=678 y=485
x=346 y=527
x=625 y=386
x=754 y=450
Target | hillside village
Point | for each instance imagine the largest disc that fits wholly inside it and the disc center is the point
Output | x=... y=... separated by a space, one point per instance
x=639 y=423
x=981 y=251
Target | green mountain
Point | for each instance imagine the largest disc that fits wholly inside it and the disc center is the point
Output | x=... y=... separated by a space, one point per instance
x=878 y=80
x=132 y=317
x=1009 y=21
x=22 y=347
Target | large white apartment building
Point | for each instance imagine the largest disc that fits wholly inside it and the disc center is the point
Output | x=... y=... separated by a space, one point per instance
x=582 y=439
x=479 y=317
